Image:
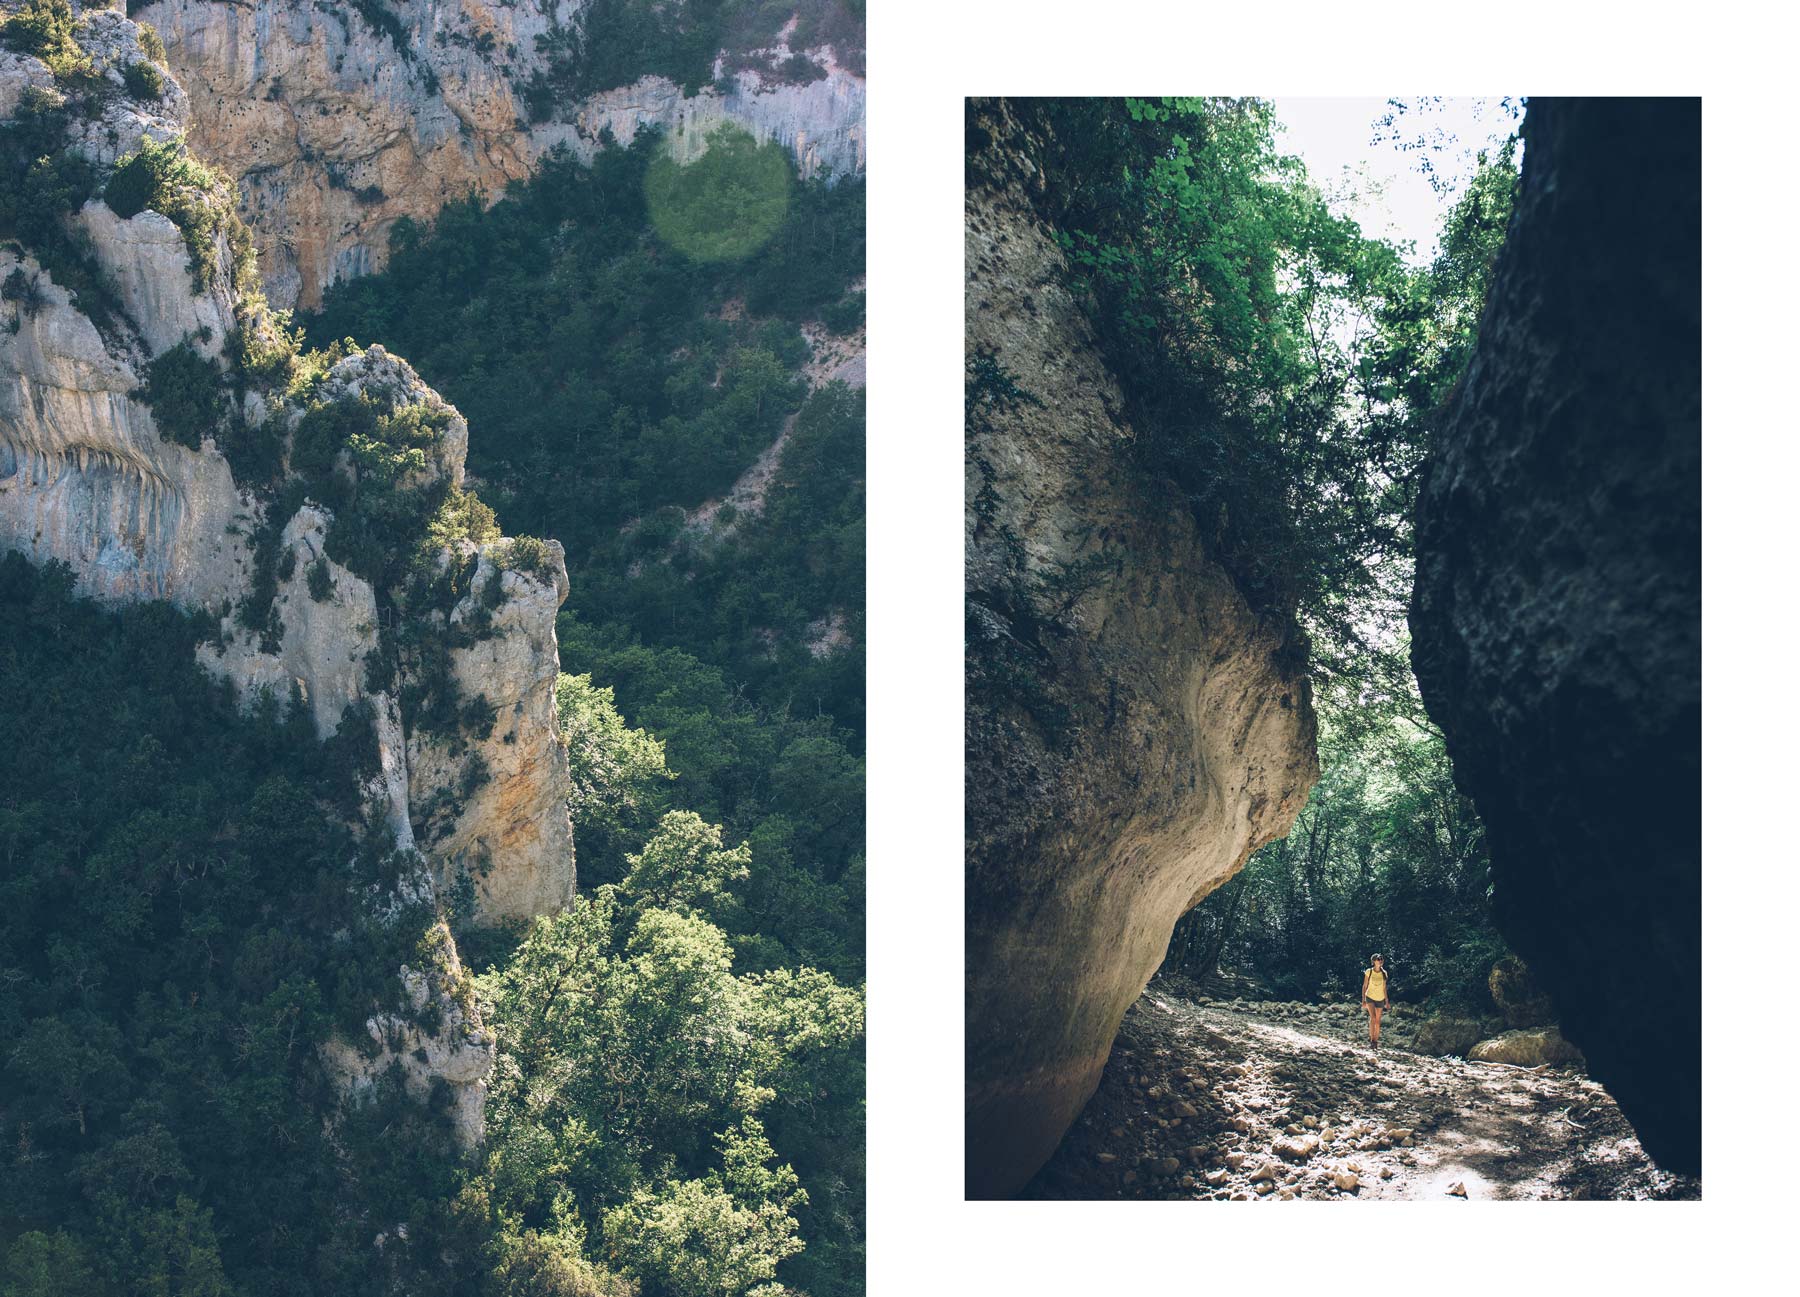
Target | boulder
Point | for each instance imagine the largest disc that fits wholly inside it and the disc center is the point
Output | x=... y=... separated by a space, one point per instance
x=1447 y=1035
x=1544 y=1045
x=1555 y=615
x=1297 y=1148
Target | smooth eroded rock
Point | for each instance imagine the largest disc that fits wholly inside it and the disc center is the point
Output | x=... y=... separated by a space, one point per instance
x=1134 y=730
x=1544 y=1045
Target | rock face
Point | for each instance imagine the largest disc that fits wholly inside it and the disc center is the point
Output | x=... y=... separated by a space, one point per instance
x=1134 y=731
x=511 y=835
x=335 y=131
x=88 y=478
x=1556 y=615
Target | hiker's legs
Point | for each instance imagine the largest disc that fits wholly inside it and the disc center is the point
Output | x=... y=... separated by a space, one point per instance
x=1375 y=1024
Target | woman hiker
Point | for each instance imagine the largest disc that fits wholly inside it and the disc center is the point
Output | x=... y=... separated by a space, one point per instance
x=1375 y=997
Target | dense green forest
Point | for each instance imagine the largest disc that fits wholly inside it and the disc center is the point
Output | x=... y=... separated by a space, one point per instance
x=1288 y=371
x=677 y=1102
x=610 y=43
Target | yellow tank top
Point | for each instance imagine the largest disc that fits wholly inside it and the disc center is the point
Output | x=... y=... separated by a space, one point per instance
x=1377 y=984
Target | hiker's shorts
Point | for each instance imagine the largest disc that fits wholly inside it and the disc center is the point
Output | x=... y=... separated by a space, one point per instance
x=1378 y=1004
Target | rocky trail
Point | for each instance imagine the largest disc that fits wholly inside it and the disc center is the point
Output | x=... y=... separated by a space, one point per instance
x=1241 y=1100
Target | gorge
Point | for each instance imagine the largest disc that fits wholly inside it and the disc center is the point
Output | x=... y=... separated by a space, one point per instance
x=342 y=797
x=1197 y=488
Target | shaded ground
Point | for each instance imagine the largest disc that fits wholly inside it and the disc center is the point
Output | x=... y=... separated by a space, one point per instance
x=1242 y=1100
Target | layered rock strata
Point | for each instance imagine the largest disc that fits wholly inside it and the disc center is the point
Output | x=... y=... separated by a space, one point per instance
x=1556 y=615
x=336 y=129
x=1135 y=731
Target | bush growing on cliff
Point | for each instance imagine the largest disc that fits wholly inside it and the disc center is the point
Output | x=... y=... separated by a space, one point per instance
x=165 y=178
x=186 y=395
x=45 y=29
x=1278 y=365
x=41 y=184
x=143 y=80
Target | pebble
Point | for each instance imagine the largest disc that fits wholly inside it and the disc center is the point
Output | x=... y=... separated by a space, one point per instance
x=1345 y=1181
x=1457 y=1190
x=1298 y=1148
x=1263 y=1173
x=1236 y=1160
x=1216 y=1178
x=1265 y=1187
x=1106 y=1159
x=1387 y=1173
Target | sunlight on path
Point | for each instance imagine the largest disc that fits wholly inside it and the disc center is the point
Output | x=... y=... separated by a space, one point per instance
x=1215 y=1101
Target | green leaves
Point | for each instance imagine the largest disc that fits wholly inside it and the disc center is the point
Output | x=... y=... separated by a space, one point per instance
x=684 y=868
x=724 y=204
x=186 y=395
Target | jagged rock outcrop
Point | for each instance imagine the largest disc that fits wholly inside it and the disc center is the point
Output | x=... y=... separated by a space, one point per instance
x=84 y=475
x=511 y=834
x=1556 y=614
x=1134 y=730
x=335 y=131
x=89 y=478
x=439 y=1039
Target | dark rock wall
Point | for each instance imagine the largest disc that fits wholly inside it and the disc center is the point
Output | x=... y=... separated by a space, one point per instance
x=1556 y=615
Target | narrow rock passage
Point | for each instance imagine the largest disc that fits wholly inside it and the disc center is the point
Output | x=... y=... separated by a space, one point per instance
x=1238 y=1100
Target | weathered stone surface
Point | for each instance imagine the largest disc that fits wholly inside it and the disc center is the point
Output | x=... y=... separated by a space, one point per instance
x=336 y=134
x=1162 y=736
x=84 y=476
x=1447 y=1035
x=148 y=263
x=511 y=835
x=457 y=1051
x=1556 y=615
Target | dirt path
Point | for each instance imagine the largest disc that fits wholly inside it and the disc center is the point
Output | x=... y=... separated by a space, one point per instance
x=1285 y=1101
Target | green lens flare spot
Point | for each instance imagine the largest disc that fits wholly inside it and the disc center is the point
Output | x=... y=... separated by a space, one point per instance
x=722 y=200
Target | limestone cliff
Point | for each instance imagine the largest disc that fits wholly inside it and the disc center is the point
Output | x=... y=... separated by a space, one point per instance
x=1134 y=730
x=1556 y=612
x=263 y=520
x=337 y=128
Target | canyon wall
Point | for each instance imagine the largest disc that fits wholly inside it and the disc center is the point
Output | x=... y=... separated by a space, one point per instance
x=1556 y=615
x=1134 y=730
x=335 y=129
x=89 y=477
